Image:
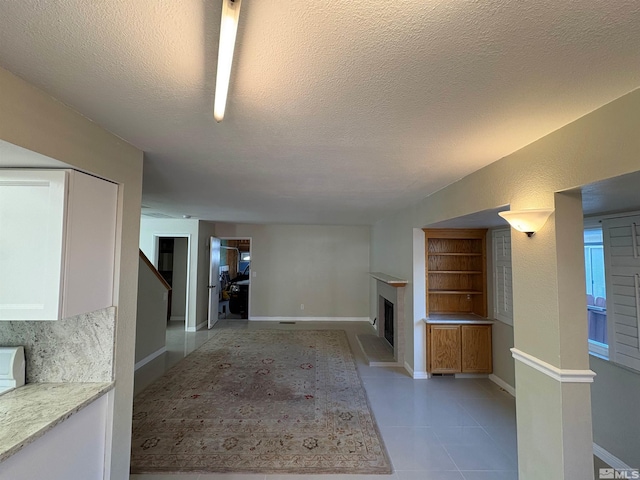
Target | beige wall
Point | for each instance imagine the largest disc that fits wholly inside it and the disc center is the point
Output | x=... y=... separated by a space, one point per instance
x=32 y=119
x=392 y=241
x=503 y=362
x=600 y=145
x=616 y=420
x=547 y=284
x=151 y=322
x=502 y=333
x=179 y=283
x=323 y=267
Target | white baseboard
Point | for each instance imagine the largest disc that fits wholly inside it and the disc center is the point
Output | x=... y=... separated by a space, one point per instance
x=385 y=364
x=609 y=458
x=176 y=318
x=415 y=375
x=471 y=375
x=309 y=319
x=197 y=327
x=149 y=358
x=502 y=384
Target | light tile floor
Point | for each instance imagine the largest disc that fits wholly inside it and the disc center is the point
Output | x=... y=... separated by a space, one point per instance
x=436 y=429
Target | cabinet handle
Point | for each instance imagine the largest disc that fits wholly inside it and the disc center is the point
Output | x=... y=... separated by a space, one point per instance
x=634 y=239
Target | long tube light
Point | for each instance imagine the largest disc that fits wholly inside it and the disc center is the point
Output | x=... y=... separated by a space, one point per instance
x=228 y=29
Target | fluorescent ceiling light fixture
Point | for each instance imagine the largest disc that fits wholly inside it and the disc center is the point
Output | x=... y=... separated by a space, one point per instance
x=527 y=221
x=228 y=29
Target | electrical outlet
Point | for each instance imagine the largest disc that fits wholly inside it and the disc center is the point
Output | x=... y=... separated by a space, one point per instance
x=253 y=274
x=302 y=306
x=165 y=297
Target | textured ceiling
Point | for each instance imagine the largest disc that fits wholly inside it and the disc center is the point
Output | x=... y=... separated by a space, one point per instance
x=339 y=112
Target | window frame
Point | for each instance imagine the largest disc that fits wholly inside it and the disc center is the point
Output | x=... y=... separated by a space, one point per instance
x=501 y=315
x=596 y=349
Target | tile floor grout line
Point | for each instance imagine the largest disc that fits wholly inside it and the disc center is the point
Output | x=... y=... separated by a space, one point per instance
x=500 y=448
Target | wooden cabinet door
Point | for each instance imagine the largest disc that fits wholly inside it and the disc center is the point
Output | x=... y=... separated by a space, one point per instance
x=476 y=349
x=444 y=349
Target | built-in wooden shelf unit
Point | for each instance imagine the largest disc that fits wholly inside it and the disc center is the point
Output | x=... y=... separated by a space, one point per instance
x=456 y=277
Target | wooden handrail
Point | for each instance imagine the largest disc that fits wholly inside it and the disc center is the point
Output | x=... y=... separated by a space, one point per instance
x=154 y=270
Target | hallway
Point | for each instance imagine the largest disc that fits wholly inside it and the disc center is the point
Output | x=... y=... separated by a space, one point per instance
x=433 y=429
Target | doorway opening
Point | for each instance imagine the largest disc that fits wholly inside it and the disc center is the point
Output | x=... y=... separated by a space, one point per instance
x=173 y=263
x=235 y=278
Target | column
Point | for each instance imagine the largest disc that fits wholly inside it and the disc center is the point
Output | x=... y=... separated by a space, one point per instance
x=551 y=350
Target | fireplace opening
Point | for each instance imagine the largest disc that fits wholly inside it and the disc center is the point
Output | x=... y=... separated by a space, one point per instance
x=388 y=321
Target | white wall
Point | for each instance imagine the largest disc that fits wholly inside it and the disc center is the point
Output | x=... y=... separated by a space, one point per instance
x=198 y=233
x=153 y=228
x=323 y=267
x=33 y=120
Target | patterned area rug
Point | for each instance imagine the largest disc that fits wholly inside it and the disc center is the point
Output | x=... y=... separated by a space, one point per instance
x=259 y=401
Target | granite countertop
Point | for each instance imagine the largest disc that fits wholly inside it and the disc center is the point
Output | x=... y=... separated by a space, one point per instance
x=458 y=319
x=28 y=412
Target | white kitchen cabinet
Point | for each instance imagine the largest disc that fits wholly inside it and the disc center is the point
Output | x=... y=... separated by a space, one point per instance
x=57 y=243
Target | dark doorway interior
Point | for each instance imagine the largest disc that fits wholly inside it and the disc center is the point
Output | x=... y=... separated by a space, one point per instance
x=388 y=321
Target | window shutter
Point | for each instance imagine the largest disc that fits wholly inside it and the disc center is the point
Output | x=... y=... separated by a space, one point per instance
x=502 y=292
x=622 y=266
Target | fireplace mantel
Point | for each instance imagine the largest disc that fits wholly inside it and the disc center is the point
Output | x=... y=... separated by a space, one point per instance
x=388 y=279
x=391 y=289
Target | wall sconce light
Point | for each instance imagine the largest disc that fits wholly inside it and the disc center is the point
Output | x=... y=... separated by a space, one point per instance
x=228 y=29
x=527 y=221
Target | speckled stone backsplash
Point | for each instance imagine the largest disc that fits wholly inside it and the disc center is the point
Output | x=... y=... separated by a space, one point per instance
x=76 y=349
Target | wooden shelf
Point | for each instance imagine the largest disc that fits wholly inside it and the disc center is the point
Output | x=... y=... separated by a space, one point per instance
x=454 y=254
x=460 y=272
x=455 y=271
x=456 y=292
